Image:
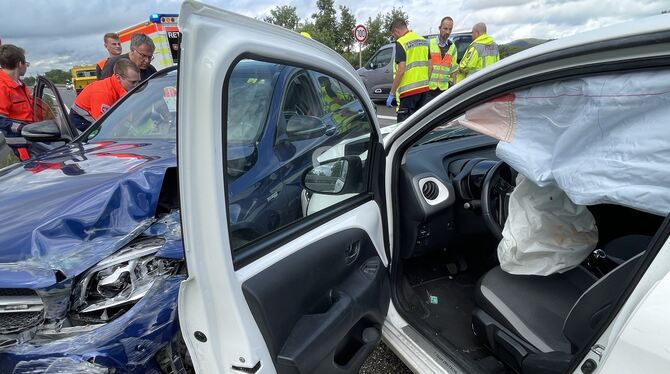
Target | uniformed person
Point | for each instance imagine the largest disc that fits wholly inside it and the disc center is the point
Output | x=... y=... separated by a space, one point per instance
x=113 y=47
x=482 y=52
x=96 y=98
x=443 y=56
x=412 y=70
x=16 y=102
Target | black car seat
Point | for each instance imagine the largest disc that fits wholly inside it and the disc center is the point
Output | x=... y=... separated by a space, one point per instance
x=536 y=323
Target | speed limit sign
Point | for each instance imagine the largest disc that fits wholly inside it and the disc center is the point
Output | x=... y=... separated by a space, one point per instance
x=360 y=33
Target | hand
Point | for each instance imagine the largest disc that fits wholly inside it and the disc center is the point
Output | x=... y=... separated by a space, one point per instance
x=389 y=100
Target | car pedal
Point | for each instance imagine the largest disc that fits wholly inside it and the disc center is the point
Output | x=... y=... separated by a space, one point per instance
x=452 y=268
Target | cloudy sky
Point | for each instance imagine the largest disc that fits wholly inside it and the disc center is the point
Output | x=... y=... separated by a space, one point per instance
x=59 y=34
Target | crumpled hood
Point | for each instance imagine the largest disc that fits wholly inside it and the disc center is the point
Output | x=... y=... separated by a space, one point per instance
x=71 y=208
x=484 y=39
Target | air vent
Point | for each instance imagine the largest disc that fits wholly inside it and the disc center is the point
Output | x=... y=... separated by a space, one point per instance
x=430 y=190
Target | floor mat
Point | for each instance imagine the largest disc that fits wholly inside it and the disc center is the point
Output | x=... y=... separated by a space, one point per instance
x=450 y=301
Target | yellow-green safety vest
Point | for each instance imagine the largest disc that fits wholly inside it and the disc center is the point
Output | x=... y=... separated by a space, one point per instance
x=415 y=78
x=481 y=53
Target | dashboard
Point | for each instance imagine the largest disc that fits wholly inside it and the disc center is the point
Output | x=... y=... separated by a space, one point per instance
x=439 y=193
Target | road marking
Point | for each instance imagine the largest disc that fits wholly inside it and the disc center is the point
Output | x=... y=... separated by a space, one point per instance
x=385 y=117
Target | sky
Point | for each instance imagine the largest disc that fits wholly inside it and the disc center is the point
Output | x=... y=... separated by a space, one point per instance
x=60 y=34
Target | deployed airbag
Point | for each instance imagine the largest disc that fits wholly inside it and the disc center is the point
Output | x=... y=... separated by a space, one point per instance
x=545 y=232
x=600 y=139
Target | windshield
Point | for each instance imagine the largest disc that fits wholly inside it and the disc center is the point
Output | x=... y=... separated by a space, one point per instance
x=450 y=130
x=149 y=113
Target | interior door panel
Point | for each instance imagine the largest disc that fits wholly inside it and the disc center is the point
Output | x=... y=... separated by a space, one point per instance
x=332 y=293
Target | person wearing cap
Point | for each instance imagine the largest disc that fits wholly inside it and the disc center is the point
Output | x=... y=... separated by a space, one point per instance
x=96 y=98
x=113 y=47
x=16 y=102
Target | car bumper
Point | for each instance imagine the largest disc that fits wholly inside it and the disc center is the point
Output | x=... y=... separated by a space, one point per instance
x=128 y=344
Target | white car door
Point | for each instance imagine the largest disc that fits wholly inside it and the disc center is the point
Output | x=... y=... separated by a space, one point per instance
x=270 y=289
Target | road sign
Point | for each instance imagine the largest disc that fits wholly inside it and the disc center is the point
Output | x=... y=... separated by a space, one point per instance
x=360 y=33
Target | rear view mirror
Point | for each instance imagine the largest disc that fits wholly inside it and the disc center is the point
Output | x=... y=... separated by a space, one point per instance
x=42 y=131
x=301 y=127
x=335 y=177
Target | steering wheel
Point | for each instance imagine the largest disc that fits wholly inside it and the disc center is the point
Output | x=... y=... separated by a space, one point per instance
x=496 y=189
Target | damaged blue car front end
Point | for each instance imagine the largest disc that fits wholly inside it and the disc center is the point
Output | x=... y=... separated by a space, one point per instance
x=91 y=254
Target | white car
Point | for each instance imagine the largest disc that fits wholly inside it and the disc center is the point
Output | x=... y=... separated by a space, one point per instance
x=413 y=254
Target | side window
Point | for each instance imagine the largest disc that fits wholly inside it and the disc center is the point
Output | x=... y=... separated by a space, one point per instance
x=300 y=98
x=381 y=59
x=384 y=57
x=47 y=108
x=305 y=148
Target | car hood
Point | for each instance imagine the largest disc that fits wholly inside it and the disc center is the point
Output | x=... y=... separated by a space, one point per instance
x=70 y=208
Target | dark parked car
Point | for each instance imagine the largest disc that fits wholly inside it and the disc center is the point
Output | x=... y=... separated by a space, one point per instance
x=377 y=73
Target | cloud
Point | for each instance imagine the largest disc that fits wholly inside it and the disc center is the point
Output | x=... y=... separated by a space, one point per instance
x=59 y=34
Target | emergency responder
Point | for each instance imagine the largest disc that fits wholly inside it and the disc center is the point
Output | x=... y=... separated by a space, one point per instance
x=141 y=53
x=113 y=46
x=96 y=98
x=482 y=52
x=412 y=70
x=16 y=102
x=443 y=56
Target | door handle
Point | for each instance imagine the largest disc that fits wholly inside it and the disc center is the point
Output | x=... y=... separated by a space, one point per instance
x=352 y=252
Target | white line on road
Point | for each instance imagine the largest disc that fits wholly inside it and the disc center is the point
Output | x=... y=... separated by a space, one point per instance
x=386 y=117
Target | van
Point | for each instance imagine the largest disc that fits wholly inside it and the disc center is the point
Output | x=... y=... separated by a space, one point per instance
x=377 y=73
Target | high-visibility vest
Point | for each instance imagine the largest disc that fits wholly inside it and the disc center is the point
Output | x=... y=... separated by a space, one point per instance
x=442 y=66
x=481 y=53
x=415 y=78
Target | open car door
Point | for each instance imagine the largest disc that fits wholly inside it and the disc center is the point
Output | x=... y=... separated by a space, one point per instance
x=287 y=288
x=48 y=105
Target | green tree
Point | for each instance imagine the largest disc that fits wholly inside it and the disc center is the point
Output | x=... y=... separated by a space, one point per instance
x=325 y=23
x=377 y=36
x=57 y=76
x=285 y=16
x=345 y=35
x=29 y=81
x=392 y=15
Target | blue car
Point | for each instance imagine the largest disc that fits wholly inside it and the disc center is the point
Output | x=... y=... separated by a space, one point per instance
x=91 y=253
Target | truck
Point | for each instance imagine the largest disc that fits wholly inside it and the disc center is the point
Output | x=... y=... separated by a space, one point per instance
x=82 y=76
x=163 y=30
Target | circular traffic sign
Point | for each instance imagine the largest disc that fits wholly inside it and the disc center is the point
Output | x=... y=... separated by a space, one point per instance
x=360 y=33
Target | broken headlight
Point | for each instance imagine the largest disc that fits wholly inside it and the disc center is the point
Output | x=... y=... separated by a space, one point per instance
x=113 y=285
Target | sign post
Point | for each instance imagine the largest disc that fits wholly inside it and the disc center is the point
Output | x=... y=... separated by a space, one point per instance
x=361 y=35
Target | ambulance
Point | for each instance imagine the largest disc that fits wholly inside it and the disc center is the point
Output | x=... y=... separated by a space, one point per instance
x=163 y=30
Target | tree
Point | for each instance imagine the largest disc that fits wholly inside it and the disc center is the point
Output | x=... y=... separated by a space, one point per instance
x=325 y=23
x=57 y=76
x=29 y=81
x=345 y=35
x=377 y=37
x=392 y=15
x=285 y=16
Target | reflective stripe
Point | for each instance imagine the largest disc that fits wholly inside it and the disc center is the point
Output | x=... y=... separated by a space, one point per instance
x=416 y=64
x=77 y=109
x=485 y=51
x=414 y=85
x=416 y=43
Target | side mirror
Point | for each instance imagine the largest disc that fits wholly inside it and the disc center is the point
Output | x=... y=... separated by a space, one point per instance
x=44 y=131
x=240 y=158
x=335 y=177
x=301 y=127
